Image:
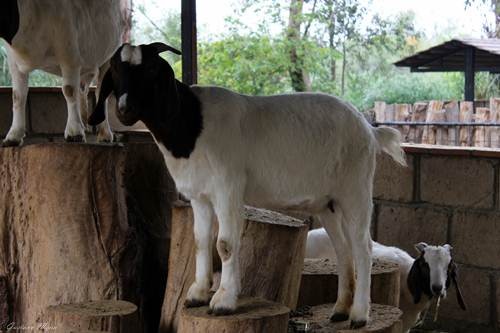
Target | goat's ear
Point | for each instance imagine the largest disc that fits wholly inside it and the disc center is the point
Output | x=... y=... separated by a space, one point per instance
x=452 y=273
x=99 y=114
x=421 y=247
x=162 y=47
x=414 y=282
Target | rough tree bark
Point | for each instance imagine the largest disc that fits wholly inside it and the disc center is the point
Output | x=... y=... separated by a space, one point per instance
x=300 y=80
x=83 y=222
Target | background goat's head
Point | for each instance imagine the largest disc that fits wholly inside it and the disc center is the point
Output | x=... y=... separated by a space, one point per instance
x=141 y=81
x=433 y=272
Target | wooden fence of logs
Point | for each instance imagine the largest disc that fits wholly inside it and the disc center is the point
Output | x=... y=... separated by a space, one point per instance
x=452 y=112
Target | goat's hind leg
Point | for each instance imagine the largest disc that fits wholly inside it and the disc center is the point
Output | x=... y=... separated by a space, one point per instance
x=75 y=131
x=199 y=292
x=332 y=222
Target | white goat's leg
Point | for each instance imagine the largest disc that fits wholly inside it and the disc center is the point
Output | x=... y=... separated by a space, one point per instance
x=198 y=293
x=104 y=132
x=75 y=131
x=332 y=222
x=358 y=224
x=229 y=212
x=85 y=81
x=17 y=130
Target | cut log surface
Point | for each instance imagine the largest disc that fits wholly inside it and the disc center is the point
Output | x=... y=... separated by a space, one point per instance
x=319 y=283
x=272 y=251
x=254 y=315
x=466 y=115
x=84 y=222
x=383 y=319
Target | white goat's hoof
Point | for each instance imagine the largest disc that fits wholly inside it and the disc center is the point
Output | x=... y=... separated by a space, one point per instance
x=197 y=296
x=359 y=317
x=14 y=138
x=104 y=134
x=223 y=303
x=338 y=316
x=76 y=134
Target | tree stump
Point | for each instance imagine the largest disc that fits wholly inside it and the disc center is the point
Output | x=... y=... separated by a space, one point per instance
x=433 y=134
x=480 y=133
x=419 y=114
x=383 y=319
x=319 y=283
x=452 y=116
x=271 y=259
x=403 y=113
x=85 y=316
x=84 y=222
x=495 y=118
x=252 y=315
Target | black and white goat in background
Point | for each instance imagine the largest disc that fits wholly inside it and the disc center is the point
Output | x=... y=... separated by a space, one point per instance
x=69 y=38
x=421 y=279
x=309 y=152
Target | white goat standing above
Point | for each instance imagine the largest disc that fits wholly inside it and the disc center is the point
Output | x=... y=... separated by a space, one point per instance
x=305 y=151
x=421 y=279
x=69 y=38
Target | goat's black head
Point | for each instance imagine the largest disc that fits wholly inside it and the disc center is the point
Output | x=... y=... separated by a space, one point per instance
x=137 y=76
x=433 y=272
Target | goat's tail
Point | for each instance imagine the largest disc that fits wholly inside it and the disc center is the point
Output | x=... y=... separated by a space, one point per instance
x=389 y=140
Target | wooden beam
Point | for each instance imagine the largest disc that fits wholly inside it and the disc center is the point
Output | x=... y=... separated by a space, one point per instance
x=470 y=58
x=189 y=44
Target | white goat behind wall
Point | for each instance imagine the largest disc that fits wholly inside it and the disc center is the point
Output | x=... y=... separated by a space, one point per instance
x=69 y=38
x=431 y=280
x=310 y=152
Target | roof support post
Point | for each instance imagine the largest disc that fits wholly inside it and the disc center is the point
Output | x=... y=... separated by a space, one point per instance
x=189 y=49
x=470 y=59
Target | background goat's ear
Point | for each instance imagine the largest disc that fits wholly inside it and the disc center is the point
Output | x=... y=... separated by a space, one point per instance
x=421 y=246
x=99 y=114
x=161 y=47
x=414 y=282
x=454 y=278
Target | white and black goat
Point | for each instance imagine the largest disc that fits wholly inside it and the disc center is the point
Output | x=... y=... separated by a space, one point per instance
x=421 y=279
x=304 y=151
x=69 y=38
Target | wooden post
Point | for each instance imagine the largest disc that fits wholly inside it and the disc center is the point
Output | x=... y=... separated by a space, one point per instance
x=435 y=113
x=390 y=113
x=272 y=272
x=253 y=315
x=470 y=60
x=480 y=133
x=495 y=118
x=380 y=112
x=419 y=114
x=403 y=113
x=320 y=281
x=451 y=116
x=383 y=319
x=189 y=42
x=466 y=115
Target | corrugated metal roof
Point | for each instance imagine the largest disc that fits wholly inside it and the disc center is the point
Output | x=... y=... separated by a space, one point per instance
x=450 y=56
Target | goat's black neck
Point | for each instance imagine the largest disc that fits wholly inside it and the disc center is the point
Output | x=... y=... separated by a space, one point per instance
x=177 y=122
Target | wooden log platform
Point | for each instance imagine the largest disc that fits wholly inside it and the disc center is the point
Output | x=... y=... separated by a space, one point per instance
x=271 y=259
x=83 y=222
x=87 y=316
x=319 y=283
x=383 y=319
x=254 y=315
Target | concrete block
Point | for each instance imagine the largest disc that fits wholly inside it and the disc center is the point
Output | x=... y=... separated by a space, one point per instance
x=404 y=226
x=476 y=288
x=457 y=181
x=392 y=181
x=475 y=238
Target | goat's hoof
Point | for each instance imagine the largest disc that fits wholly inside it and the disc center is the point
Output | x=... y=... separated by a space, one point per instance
x=336 y=317
x=355 y=324
x=11 y=143
x=75 y=138
x=195 y=303
x=221 y=311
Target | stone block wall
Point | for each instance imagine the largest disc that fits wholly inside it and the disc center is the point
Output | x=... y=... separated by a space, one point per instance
x=447 y=195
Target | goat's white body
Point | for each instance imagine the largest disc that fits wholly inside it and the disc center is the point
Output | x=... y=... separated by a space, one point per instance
x=296 y=151
x=320 y=246
x=69 y=38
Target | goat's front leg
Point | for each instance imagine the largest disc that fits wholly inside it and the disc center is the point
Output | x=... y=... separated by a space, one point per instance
x=75 y=131
x=104 y=132
x=198 y=293
x=229 y=212
x=19 y=94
